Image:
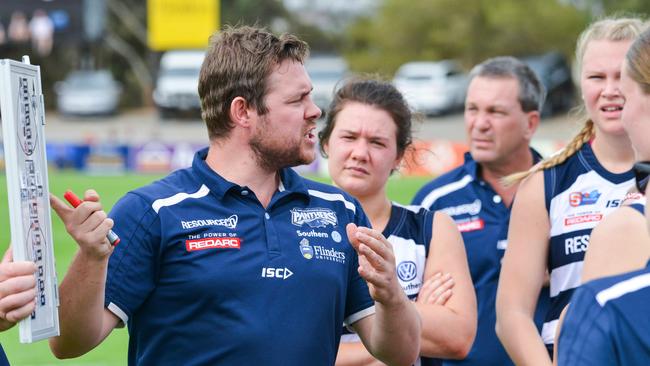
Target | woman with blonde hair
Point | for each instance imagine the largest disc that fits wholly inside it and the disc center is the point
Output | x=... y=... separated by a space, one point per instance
x=608 y=321
x=627 y=225
x=563 y=197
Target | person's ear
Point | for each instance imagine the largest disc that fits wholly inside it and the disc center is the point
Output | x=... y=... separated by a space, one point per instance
x=398 y=161
x=240 y=112
x=532 y=122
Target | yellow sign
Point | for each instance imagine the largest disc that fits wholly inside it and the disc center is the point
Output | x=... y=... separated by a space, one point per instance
x=174 y=24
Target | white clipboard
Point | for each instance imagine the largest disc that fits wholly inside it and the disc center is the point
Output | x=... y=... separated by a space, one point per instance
x=23 y=121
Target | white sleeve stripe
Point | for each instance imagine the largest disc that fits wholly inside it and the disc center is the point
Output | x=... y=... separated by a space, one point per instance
x=350 y=338
x=118 y=312
x=334 y=197
x=623 y=288
x=430 y=198
x=359 y=315
x=412 y=208
x=179 y=197
x=548 y=331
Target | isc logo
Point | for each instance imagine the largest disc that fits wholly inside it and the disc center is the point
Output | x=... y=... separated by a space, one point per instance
x=282 y=273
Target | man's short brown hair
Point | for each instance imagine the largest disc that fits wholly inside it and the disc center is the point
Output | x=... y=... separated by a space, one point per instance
x=237 y=64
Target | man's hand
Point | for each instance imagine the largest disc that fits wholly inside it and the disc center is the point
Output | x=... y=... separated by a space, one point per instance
x=376 y=264
x=17 y=290
x=87 y=224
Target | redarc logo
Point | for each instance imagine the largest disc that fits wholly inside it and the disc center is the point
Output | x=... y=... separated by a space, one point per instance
x=582 y=219
x=471 y=225
x=281 y=273
x=212 y=243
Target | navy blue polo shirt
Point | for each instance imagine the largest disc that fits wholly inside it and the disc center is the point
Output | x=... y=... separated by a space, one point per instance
x=3 y=357
x=483 y=219
x=205 y=275
x=608 y=322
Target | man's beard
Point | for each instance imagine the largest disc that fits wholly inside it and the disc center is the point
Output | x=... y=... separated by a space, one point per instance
x=272 y=153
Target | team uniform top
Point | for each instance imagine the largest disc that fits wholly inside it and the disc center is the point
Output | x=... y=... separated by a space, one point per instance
x=205 y=275
x=3 y=357
x=607 y=322
x=579 y=193
x=636 y=201
x=409 y=230
x=639 y=207
x=483 y=220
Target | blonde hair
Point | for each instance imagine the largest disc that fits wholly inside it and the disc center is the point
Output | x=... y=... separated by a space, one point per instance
x=637 y=61
x=613 y=29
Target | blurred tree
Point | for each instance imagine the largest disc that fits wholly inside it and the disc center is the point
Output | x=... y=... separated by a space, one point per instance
x=124 y=50
x=273 y=15
x=640 y=7
x=126 y=38
x=469 y=30
x=598 y=8
x=251 y=12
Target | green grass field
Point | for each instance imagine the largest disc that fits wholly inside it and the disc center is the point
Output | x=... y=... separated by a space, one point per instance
x=113 y=351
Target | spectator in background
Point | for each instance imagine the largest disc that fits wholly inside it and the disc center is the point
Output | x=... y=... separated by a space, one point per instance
x=42 y=31
x=502 y=112
x=3 y=35
x=365 y=136
x=18 y=29
x=565 y=196
x=607 y=321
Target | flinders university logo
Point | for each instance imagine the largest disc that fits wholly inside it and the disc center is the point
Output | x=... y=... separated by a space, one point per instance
x=314 y=217
x=320 y=252
x=306 y=249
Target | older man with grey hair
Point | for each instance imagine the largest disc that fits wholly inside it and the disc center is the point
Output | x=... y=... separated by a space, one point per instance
x=502 y=112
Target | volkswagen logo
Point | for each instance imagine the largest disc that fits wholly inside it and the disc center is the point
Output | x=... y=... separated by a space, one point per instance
x=407 y=271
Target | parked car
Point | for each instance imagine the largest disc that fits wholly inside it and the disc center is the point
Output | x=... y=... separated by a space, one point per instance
x=325 y=73
x=432 y=88
x=177 y=83
x=88 y=93
x=554 y=72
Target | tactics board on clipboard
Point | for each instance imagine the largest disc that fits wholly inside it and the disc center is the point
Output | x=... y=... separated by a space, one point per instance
x=23 y=124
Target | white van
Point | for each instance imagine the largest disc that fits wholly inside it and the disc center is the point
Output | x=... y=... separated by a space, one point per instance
x=178 y=83
x=326 y=72
x=432 y=88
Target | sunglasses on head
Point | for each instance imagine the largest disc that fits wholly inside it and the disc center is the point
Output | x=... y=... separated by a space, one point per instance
x=641 y=175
